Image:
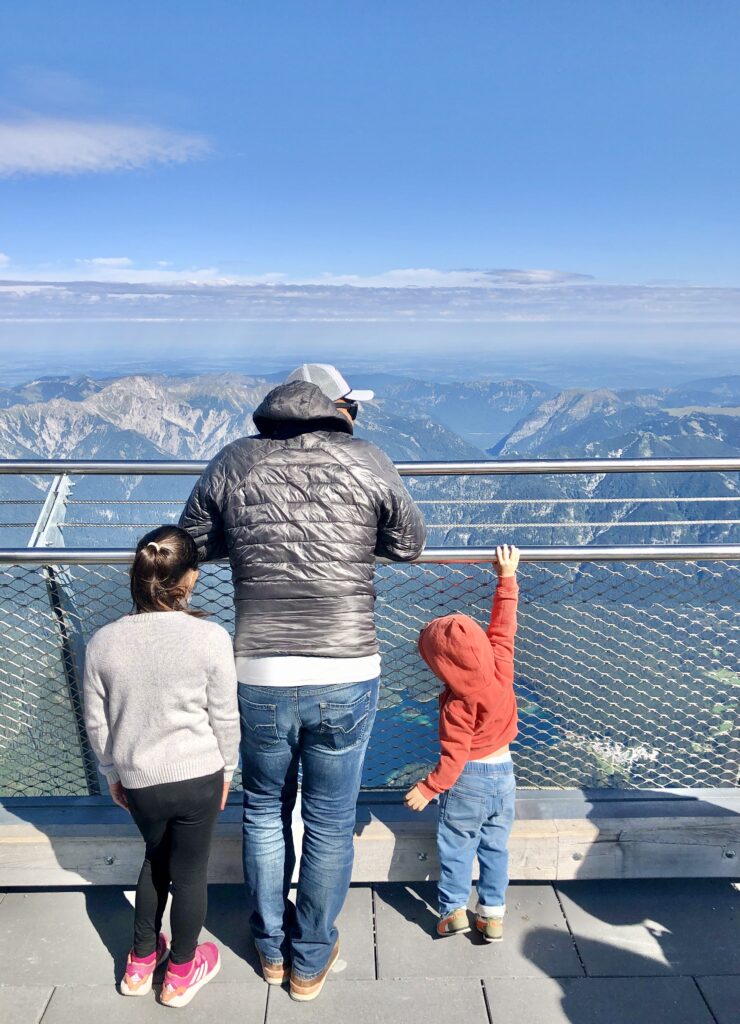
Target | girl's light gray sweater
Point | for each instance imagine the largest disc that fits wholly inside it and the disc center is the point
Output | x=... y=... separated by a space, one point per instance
x=160 y=699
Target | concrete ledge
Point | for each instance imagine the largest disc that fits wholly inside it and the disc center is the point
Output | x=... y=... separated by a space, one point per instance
x=90 y=841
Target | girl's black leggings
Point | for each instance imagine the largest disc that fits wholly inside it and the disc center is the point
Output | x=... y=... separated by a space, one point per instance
x=176 y=820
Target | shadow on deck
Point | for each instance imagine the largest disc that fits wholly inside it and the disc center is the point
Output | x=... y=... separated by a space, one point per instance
x=643 y=952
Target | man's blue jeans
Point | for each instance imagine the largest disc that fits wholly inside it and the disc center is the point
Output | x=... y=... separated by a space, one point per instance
x=476 y=816
x=324 y=730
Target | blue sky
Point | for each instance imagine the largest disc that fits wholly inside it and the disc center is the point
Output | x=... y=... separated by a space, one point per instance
x=228 y=159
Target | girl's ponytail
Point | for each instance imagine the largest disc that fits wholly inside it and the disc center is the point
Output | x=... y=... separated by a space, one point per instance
x=163 y=557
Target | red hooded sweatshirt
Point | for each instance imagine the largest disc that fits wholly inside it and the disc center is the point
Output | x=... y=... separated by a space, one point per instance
x=477 y=707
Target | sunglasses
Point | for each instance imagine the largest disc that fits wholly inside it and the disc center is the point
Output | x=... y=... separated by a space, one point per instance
x=351 y=407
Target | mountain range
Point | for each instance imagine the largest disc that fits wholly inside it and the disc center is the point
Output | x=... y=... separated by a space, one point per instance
x=161 y=417
x=623 y=673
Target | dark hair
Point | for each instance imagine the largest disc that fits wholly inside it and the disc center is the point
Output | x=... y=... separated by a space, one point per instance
x=163 y=556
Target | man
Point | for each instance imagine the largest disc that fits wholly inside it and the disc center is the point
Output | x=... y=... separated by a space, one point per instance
x=302 y=510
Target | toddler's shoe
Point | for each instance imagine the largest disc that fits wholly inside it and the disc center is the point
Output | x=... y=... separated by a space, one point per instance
x=455 y=923
x=491 y=928
x=137 y=981
x=183 y=981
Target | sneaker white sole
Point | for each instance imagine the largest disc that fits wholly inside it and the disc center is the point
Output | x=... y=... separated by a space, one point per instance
x=177 y=1002
x=487 y=938
x=146 y=988
x=307 y=997
x=143 y=990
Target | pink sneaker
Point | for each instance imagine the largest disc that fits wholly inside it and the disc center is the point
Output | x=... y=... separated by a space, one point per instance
x=137 y=980
x=183 y=981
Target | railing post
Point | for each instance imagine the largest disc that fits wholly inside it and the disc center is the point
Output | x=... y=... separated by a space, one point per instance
x=47 y=533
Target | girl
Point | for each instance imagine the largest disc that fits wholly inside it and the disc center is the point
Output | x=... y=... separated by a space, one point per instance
x=163 y=720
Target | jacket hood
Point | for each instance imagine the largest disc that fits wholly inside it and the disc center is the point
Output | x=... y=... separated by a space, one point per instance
x=458 y=651
x=296 y=408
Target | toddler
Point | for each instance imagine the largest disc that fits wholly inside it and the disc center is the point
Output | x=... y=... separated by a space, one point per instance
x=475 y=775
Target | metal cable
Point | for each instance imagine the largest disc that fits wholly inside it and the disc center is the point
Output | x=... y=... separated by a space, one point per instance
x=501 y=524
x=564 y=501
x=670 y=499
x=505 y=524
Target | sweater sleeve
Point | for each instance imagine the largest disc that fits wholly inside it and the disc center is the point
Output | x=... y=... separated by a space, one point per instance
x=96 y=716
x=502 y=628
x=223 y=709
x=456 y=728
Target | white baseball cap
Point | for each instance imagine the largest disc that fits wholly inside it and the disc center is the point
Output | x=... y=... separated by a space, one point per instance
x=330 y=380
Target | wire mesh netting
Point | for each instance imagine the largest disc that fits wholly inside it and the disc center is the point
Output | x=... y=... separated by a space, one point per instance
x=627 y=674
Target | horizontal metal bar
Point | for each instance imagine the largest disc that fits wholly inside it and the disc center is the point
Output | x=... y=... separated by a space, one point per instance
x=671 y=499
x=94 y=467
x=150 y=526
x=543 y=524
x=668 y=500
x=557 y=466
x=499 y=525
x=494 y=467
x=532 y=805
x=439 y=556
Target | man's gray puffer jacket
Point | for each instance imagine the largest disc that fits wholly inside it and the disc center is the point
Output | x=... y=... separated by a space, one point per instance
x=301 y=511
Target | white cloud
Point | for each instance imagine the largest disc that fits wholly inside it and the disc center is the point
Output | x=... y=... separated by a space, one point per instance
x=426 y=277
x=125 y=293
x=4 y=259
x=108 y=261
x=21 y=290
x=121 y=269
x=112 y=285
x=64 y=146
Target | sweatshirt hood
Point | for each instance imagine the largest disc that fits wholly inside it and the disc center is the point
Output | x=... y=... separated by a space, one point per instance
x=297 y=408
x=459 y=653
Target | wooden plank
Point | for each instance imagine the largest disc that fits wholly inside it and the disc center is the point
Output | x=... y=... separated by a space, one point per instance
x=391 y=847
x=649 y=848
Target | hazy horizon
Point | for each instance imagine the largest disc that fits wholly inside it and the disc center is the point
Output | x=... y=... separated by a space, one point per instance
x=592 y=357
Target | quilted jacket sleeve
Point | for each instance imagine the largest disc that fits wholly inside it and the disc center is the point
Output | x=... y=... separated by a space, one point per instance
x=401 y=529
x=201 y=516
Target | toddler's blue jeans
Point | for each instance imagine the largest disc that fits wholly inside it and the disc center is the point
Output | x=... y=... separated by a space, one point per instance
x=476 y=816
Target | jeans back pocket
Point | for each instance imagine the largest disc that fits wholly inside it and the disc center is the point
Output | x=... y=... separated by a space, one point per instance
x=258 y=721
x=344 y=725
x=502 y=800
x=463 y=807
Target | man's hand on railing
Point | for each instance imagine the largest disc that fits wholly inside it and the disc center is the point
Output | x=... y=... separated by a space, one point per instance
x=118 y=793
x=507 y=560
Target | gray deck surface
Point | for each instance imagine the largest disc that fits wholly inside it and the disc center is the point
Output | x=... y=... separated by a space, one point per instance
x=616 y=952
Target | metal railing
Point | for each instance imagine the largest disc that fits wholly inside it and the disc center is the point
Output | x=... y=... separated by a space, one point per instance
x=497 y=467
x=627 y=666
x=465 y=503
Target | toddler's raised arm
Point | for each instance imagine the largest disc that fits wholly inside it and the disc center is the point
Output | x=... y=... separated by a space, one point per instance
x=502 y=627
